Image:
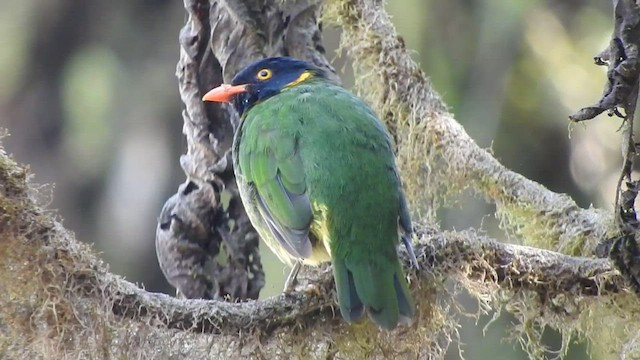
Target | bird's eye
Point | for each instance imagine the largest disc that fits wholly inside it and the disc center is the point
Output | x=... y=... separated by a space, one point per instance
x=264 y=74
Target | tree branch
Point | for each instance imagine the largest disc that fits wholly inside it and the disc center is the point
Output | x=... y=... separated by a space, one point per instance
x=82 y=296
x=441 y=254
x=621 y=91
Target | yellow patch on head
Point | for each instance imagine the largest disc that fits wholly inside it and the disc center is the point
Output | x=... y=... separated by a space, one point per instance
x=304 y=76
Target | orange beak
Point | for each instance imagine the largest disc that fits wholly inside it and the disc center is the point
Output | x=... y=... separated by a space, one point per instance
x=224 y=93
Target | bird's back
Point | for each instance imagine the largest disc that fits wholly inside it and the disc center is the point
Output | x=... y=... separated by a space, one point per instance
x=350 y=167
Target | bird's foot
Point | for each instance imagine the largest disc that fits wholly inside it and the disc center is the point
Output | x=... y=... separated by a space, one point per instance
x=406 y=239
x=292 y=281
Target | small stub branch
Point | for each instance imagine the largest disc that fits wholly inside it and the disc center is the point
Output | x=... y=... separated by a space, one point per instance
x=622 y=59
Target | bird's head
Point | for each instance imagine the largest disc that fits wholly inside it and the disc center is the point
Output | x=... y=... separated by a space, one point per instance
x=261 y=80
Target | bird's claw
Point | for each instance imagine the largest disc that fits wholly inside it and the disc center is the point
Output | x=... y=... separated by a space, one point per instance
x=292 y=281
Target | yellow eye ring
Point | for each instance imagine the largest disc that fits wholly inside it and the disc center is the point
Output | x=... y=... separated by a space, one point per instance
x=264 y=74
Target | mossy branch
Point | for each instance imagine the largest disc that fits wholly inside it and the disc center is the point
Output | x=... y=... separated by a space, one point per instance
x=55 y=288
x=466 y=254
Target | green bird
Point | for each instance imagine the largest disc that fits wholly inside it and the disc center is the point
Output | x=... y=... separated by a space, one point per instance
x=316 y=173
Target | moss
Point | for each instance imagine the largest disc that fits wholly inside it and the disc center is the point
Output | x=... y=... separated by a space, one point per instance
x=549 y=230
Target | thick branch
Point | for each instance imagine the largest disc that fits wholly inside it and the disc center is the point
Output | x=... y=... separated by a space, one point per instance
x=87 y=297
x=444 y=254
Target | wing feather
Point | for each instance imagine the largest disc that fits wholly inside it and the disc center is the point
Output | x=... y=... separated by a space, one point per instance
x=276 y=172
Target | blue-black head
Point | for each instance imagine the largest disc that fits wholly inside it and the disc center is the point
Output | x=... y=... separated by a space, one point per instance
x=263 y=79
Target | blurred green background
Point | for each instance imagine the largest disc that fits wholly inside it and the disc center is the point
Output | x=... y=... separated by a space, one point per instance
x=90 y=99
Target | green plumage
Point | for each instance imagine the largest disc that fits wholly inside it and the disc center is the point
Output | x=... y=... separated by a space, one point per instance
x=316 y=173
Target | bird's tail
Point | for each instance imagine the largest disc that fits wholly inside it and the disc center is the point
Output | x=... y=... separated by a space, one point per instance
x=380 y=289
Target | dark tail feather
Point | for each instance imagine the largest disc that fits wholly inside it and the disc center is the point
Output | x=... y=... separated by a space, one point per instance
x=405 y=304
x=382 y=291
x=351 y=306
x=375 y=286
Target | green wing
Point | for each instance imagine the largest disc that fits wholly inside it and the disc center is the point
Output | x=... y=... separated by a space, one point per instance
x=273 y=167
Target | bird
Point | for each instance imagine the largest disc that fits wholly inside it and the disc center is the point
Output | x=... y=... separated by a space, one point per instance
x=316 y=173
